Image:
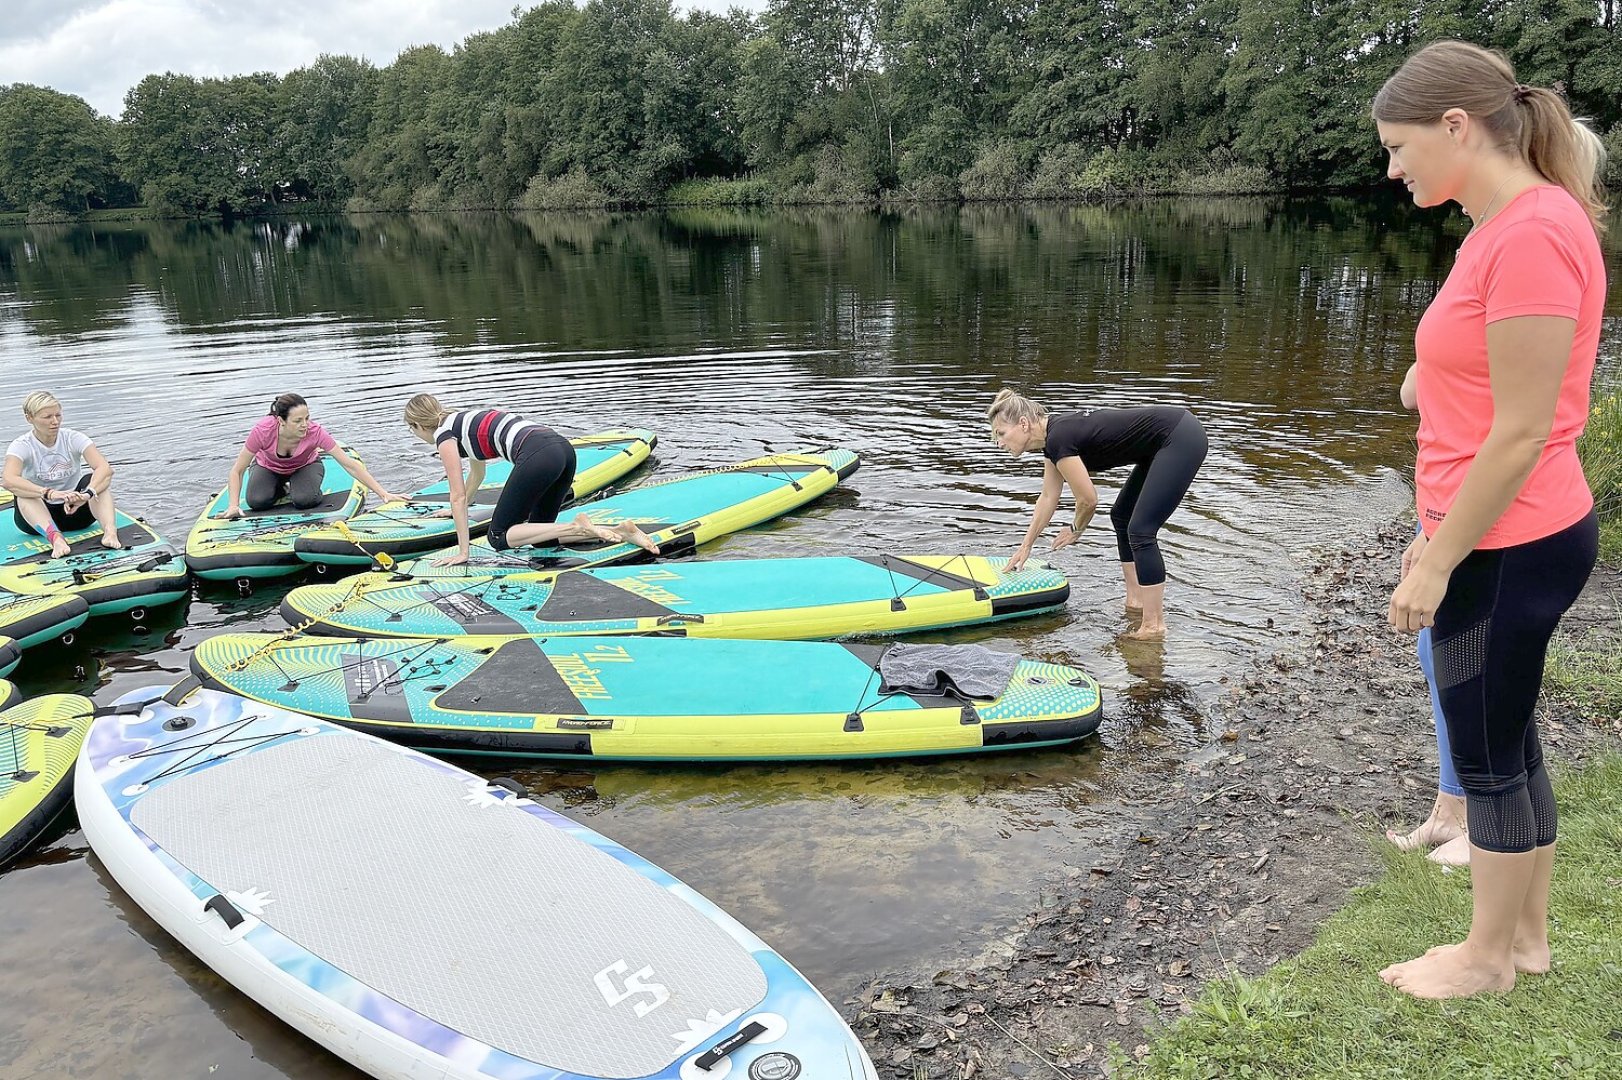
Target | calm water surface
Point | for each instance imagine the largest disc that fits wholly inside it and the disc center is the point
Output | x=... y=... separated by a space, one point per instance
x=1286 y=327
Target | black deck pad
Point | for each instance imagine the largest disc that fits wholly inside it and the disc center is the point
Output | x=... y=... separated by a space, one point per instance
x=485 y=496
x=577 y=597
x=517 y=678
x=133 y=535
x=902 y=568
x=330 y=503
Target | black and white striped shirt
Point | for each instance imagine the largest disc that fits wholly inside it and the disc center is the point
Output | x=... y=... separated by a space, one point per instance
x=485 y=434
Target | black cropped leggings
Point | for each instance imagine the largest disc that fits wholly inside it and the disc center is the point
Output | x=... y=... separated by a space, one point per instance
x=1488 y=646
x=1147 y=499
x=302 y=486
x=543 y=473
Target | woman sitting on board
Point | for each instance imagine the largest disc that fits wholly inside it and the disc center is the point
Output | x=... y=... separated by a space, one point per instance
x=1165 y=447
x=60 y=480
x=282 y=457
x=542 y=474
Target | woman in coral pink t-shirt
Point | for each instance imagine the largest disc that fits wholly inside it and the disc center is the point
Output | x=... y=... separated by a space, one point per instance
x=281 y=457
x=1504 y=357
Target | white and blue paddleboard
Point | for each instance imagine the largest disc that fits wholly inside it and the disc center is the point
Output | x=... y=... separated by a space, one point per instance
x=418 y=921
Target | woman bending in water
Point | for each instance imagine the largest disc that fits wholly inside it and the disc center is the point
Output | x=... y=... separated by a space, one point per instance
x=1165 y=447
x=542 y=474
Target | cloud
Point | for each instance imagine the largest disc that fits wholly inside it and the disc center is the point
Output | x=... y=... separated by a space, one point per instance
x=98 y=49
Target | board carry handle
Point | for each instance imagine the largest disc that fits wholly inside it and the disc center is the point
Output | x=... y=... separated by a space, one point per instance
x=511 y=785
x=181 y=690
x=227 y=911
x=719 y=1052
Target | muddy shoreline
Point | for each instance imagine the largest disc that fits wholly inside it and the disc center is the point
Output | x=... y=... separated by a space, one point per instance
x=1229 y=865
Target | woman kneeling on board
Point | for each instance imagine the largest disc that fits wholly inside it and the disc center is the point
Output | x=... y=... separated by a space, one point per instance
x=282 y=456
x=60 y=480
x=542 y=475
x=1165 y=447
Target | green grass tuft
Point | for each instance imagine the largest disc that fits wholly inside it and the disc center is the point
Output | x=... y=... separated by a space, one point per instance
x=1326 y=1013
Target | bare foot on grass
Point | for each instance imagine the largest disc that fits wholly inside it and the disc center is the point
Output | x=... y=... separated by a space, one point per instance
x=1449 y=971
x=1532 y=957
x=1456 y=852
x=1434 y=831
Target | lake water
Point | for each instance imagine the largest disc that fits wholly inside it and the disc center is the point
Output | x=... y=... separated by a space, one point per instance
x=1286 y=326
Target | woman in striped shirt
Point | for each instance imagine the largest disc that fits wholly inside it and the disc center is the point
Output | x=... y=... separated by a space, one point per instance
x=542 y=474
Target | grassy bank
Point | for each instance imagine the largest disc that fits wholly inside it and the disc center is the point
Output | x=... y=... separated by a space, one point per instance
x=1327 y=1014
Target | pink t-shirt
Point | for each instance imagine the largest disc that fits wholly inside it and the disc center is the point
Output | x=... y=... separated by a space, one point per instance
x=262 y=445
x=1537 y=256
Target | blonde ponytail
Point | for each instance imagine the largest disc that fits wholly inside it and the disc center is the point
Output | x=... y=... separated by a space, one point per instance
x=1014 y=407
x=424 y=411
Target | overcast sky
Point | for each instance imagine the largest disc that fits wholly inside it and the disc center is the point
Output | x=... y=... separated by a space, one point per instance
x=98 y=49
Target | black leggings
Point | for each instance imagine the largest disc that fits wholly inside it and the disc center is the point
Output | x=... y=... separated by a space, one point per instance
x=82 y=518
x=543 y=472
x=302 y=487
x=1488 y=645
x=1151 y=493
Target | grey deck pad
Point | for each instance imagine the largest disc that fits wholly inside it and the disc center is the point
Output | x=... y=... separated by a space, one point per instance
x=967 y=670
x=482 y=917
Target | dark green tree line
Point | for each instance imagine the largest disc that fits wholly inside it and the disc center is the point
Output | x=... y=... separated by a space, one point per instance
x=619 y=101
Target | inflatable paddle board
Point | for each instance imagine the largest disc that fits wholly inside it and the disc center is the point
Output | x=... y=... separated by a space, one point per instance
x=641 y=699
x=39 y=742
x=259 y=544
x=419 y=922
x=146 y=572
x=35 y=619
x=398 y=529
x=678 y=514
x=9 y=695
x=802 y=598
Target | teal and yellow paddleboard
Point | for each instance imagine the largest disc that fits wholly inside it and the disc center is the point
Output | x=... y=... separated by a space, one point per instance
x=40 y=617
x=808 y=598
x=259 y=544
x=640 y=698
x=678 y=514
x=146 y=572
x=39 y=742
x=399 y=529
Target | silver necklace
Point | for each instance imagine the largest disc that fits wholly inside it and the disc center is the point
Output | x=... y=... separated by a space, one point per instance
x=1477 y=222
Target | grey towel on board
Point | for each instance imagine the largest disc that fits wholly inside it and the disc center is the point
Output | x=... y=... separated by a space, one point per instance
x=971 y=671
